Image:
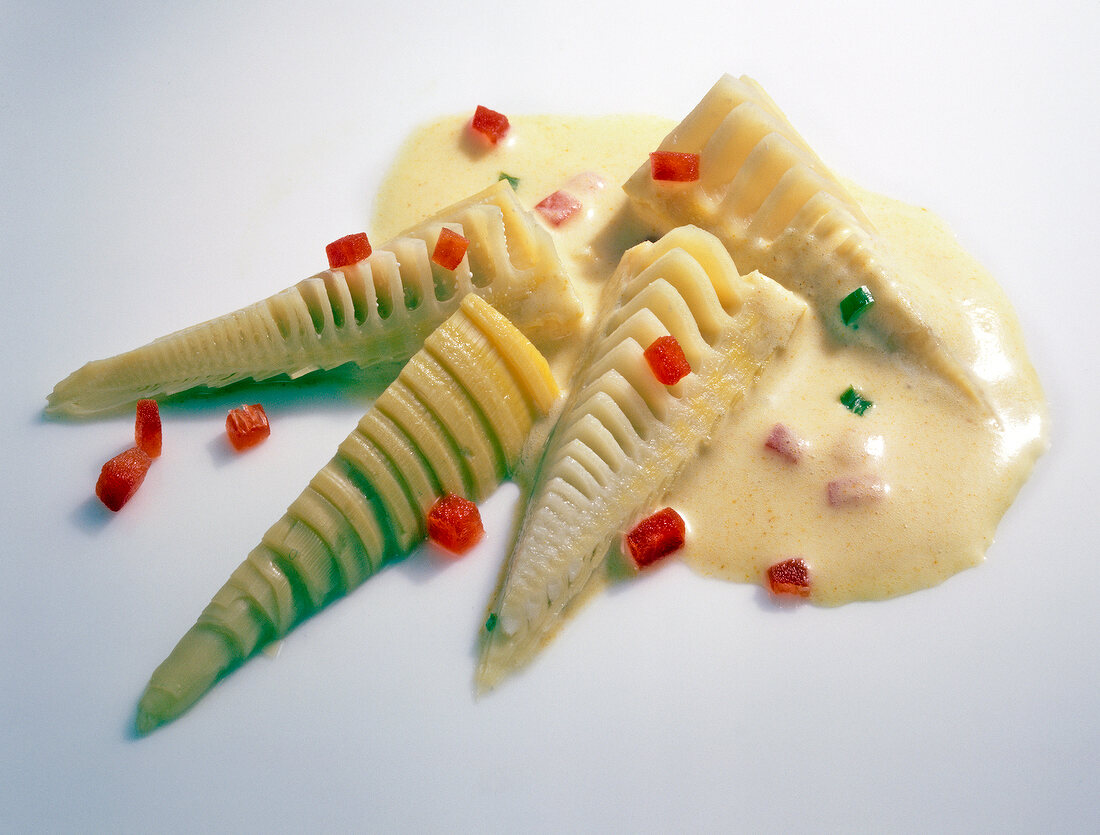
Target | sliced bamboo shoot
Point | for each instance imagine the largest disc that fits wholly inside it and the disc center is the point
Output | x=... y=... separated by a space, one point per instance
x=368 y=505
x=622 y=436
x=377 y=311
x=776 y=206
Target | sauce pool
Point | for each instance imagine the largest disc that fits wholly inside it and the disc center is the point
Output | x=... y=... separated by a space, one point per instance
x=878 y=504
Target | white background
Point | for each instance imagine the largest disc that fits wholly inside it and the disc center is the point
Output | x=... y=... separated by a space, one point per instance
x=164 y=163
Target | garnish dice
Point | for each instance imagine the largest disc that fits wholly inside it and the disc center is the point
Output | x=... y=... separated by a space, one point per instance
x=147 y=428
x=120 y=477
x=246 y=426
x=558 y=207
x=490 y=124
x=783 y=441
x=674 y=166
x=667 y=360
x=854 y=305
x=655 y=537
x=454 y=523
x=855 y=402
x=450 y=249
x=348 y=250
x=790 y=577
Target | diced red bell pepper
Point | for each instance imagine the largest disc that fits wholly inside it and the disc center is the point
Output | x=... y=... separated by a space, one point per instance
x=559 y=207
x=790 y=577
x=246 y=426
x=783 y=441
x=492 y=126
x=674 y=166
x=147 y=430
x=121 y=477
x=655 y=537
x=667 y=361
x=454 y=523
x=348 y=250
x=450 y=249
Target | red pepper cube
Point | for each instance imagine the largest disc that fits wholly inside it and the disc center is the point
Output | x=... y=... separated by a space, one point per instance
x=667 y=361
x=674 y=166
x=147 y=432
x=348 y=250
x=121 y=477
x=454 y=523
x=246 y=426
x=655 y=537
x=492 y=126
x=559 y=207
x=790 y=577
x=450 y=249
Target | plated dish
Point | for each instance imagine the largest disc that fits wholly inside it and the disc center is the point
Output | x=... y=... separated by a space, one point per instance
x=857 y=414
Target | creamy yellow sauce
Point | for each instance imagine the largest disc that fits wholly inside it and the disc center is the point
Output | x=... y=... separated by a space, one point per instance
x=942 y=468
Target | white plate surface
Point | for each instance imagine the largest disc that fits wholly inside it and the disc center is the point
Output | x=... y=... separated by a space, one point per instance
x=163 y=163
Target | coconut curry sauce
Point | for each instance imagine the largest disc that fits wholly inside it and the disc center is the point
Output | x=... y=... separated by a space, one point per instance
x=878 y=504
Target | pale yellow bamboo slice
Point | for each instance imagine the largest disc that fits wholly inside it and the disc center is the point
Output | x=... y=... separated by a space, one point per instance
x=622 y=436
x=367 y=505
x=375 y=312
x=777 y=208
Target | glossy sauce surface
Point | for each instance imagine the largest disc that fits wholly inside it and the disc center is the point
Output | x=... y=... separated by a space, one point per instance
x=879 y=504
